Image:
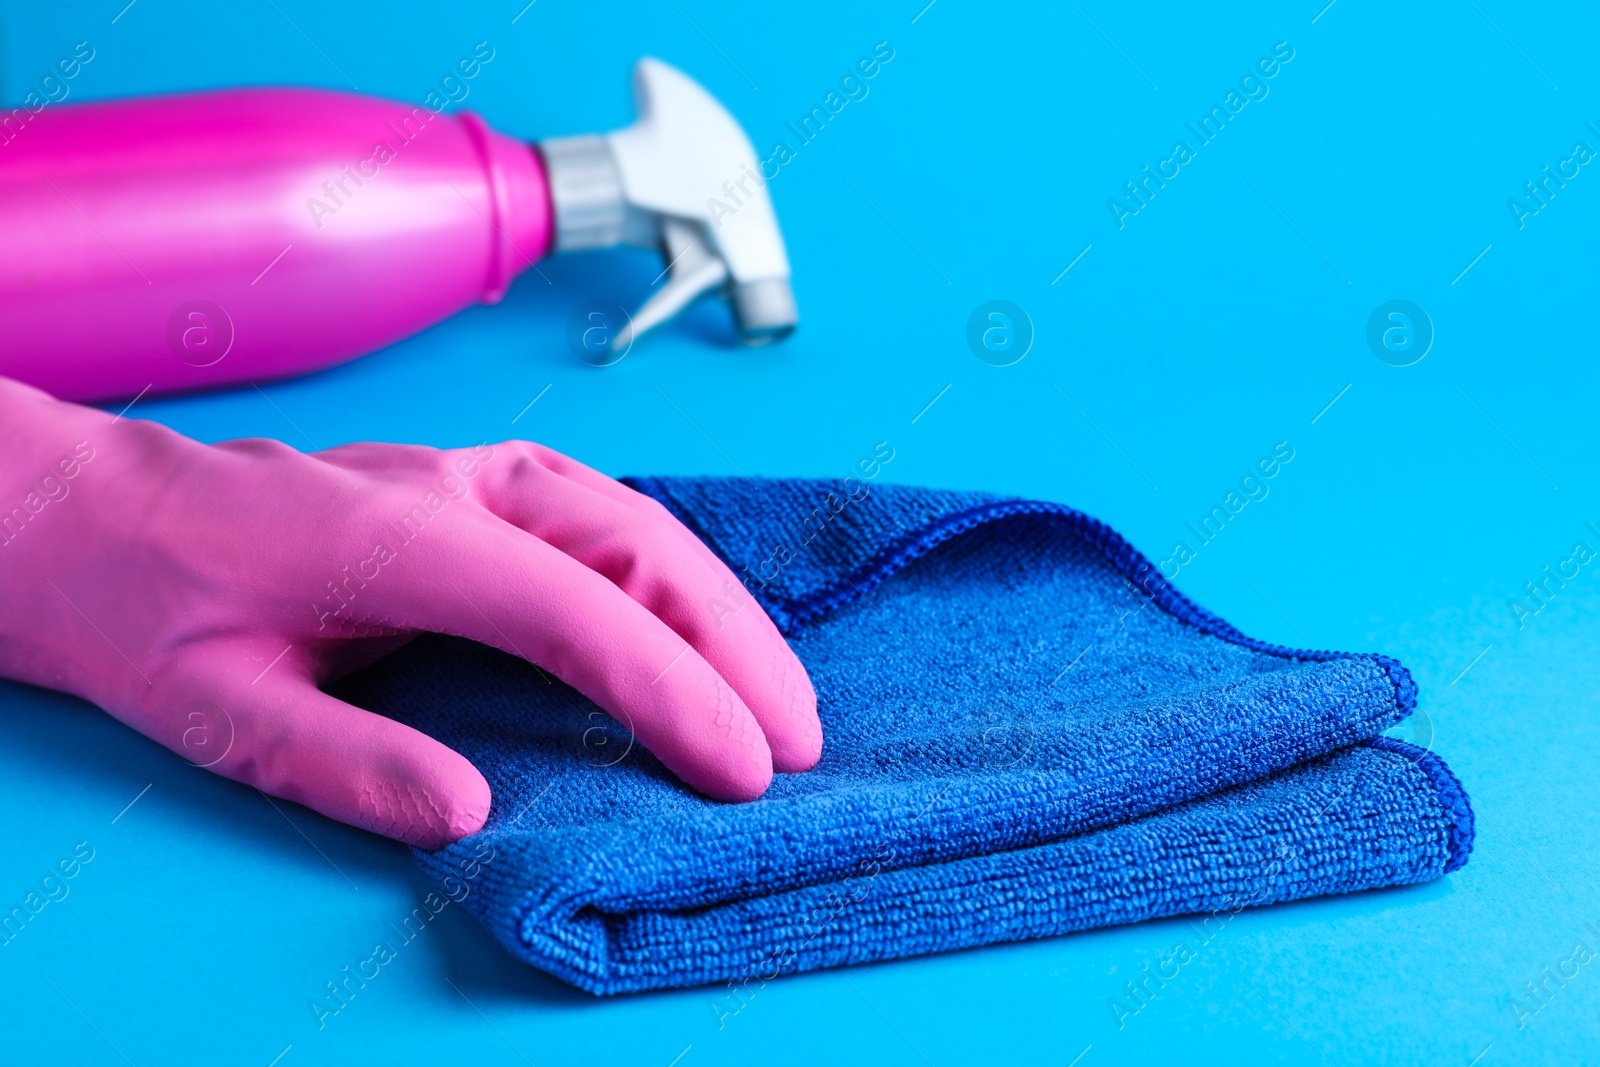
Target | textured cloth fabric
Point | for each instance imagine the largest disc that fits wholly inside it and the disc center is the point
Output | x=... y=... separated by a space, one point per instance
x=1029 y=731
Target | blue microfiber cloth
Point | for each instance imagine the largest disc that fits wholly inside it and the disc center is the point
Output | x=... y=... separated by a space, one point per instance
x=1028 y=731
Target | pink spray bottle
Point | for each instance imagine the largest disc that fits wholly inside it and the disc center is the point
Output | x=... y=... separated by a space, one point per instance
x=185 y=242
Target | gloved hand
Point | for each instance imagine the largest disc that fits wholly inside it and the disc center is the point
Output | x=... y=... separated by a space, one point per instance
x=202 y=593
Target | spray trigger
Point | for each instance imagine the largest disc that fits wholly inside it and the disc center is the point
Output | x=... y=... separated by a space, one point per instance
x=691 y=270
x=656 y=184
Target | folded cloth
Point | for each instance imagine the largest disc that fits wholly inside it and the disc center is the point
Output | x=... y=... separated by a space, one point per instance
x=1028 y=731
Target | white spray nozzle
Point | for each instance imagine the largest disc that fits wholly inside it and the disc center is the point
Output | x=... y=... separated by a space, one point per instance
x=684 y=179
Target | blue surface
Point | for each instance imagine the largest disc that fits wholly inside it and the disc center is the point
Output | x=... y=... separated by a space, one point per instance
x=971 y=790
x=1224 y=317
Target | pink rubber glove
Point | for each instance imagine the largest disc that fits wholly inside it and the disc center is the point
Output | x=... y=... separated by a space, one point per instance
x=202 y=593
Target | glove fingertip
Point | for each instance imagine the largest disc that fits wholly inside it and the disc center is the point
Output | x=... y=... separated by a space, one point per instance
x=737 y=782
x=795 y=736
x=438 y=809
x=469 y=811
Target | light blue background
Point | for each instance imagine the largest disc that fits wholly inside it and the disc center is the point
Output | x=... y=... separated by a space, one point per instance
x=1224 y=317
